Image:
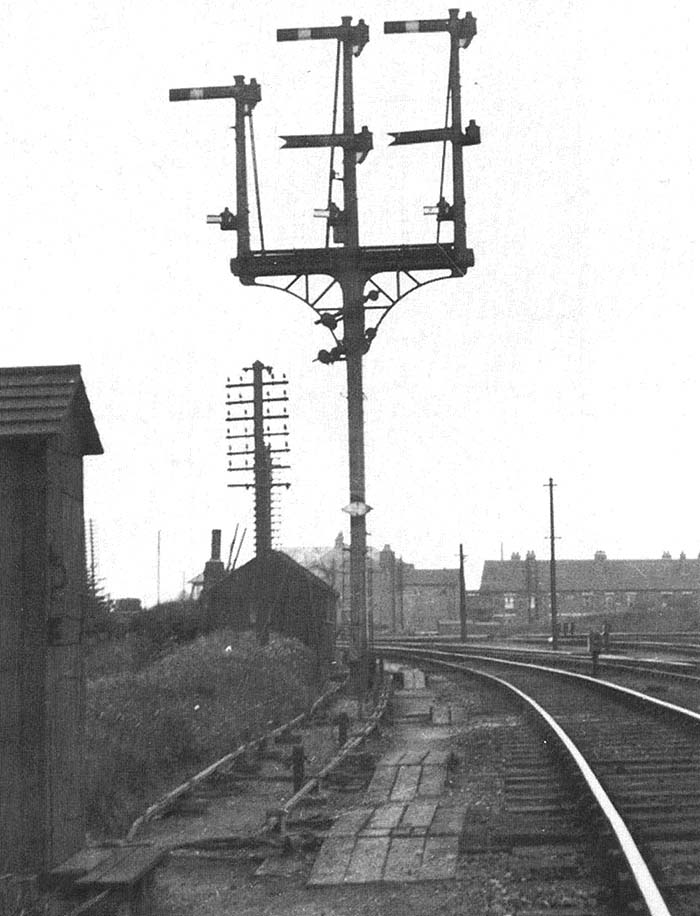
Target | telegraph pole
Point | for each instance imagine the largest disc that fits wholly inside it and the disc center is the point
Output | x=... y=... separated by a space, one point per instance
x=264 y=427
x=462 y=598
x=349 y=265
x=553 y=568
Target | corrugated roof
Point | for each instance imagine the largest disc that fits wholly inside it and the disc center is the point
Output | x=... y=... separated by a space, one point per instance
x=37 y=400
x=594 y=575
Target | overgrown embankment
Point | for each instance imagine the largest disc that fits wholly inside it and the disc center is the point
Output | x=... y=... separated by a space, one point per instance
x=148 y=728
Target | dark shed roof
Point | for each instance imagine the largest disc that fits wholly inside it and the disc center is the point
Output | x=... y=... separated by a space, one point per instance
x=281 y=562
x=37 y=401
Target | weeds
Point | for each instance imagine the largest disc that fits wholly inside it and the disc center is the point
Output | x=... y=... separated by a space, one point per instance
x=149 y=727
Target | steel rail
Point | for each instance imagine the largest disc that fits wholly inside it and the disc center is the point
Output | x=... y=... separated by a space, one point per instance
x=280 y=816
x=639 y=870
x=683 y=711
x=680 y=670
x=165 y=802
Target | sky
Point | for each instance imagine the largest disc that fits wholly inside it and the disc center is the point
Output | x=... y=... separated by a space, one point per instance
x=569 y=351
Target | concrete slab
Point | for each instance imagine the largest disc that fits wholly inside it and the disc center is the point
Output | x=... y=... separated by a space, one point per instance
x=351 y=823
x=332 y=860
x=386 y=817
x=368 y=859
x=401 y=833
x=404 y=860
x=418 y=814
x=382 y=783
x=406 y=784
x=432 y=781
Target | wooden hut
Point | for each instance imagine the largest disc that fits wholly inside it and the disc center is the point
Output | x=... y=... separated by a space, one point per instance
x=46 y=427
x=274 y=593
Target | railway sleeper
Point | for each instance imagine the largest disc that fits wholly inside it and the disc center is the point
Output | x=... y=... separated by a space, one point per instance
x=124 y=874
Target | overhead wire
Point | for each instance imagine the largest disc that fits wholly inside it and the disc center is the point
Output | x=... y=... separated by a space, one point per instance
x=444 y=153
x=256 y=181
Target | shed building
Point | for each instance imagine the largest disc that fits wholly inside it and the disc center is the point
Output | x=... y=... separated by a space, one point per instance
x=275 y=593
x=46 y=427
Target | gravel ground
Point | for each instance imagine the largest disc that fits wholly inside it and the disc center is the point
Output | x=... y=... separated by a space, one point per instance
x=556 y=879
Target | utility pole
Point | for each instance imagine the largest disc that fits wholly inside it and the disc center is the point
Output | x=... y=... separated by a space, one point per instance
x=350 y=266
x=264 y=392
x=462 y=598
x=158 y=573
x=553 y=568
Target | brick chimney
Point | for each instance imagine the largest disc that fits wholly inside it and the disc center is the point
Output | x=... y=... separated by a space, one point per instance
x=214 y=568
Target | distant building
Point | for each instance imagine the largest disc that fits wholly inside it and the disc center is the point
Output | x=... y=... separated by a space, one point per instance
x=400 y=598
x=126 y=606
x=521 y=588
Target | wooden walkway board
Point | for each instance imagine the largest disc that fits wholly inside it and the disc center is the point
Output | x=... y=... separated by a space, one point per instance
x=392 y=847
x=125 y=866
x=402 y=832
x=416 y=841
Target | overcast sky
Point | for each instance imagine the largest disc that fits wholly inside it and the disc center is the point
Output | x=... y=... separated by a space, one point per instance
x=569 y=351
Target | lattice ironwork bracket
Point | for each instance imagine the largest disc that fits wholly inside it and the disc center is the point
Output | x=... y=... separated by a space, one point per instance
x=337 y=263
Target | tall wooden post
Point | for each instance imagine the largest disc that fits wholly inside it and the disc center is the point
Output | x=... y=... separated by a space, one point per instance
x=462 y=598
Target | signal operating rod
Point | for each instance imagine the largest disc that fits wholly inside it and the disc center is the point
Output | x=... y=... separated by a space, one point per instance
x=246 y=96
x=461 y=32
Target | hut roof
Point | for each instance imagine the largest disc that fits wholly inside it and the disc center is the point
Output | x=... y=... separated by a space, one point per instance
x=37 y=401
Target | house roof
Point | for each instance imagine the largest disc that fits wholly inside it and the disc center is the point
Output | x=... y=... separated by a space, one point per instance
x=37 y=401
x=594 y=575
x=436 y=577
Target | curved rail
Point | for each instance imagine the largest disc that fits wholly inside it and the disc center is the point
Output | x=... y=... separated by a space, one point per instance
x=664 y=668
x=641 y=875
x=672 y=708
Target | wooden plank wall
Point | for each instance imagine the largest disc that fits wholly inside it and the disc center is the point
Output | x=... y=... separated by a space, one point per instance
x=65 y=680
x=23 y=596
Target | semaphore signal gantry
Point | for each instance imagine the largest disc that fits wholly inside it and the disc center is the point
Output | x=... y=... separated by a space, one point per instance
x=360 y=271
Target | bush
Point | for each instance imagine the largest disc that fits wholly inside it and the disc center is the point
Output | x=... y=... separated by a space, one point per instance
x=148 y=729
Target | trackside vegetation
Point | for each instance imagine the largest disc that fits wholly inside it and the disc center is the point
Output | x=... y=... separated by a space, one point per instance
x=150 y=725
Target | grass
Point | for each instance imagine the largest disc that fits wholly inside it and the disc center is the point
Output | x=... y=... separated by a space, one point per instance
x=150 y=727
x=20 y=897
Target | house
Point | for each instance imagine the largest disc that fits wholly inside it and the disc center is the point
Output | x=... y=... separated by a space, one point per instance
x=521 y=588
x=400 y=597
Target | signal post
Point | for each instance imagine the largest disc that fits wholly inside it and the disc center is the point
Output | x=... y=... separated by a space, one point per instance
x=359 y=271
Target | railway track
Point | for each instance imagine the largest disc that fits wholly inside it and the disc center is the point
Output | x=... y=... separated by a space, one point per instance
x=675 y=680
x=633 y=763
